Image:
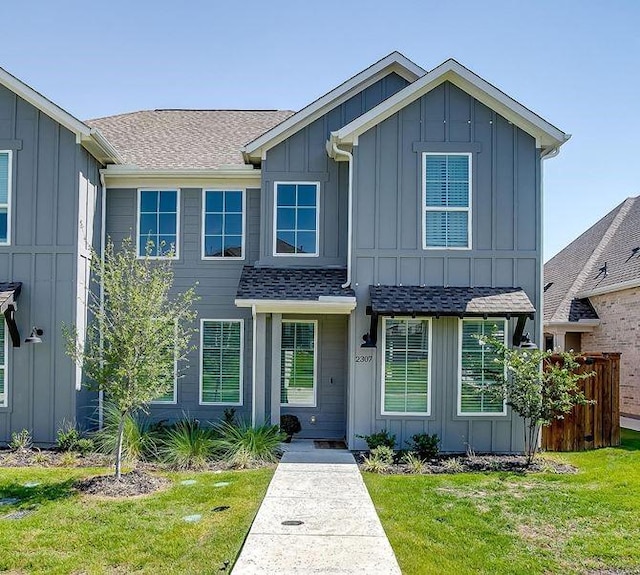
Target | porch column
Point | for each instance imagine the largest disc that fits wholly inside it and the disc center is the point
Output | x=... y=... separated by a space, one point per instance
x=258 y=411
x=276 y=341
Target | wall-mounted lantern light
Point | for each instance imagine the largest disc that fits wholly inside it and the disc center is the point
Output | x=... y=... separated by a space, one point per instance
x=36 y=336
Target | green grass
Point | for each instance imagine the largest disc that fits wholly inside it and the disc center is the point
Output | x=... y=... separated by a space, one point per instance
x=69 y=533
x=509 y=523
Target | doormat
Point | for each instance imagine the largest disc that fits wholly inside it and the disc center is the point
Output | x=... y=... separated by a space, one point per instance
x=329 y=444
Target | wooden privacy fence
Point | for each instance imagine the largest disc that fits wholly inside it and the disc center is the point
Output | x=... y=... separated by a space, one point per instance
x=593 y=425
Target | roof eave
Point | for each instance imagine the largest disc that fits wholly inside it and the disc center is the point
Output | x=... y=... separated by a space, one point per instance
x=629 y=284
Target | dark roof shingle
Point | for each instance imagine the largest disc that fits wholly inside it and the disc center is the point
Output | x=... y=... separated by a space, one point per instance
x=435 y=300
x=303 y=284
x=183 y=139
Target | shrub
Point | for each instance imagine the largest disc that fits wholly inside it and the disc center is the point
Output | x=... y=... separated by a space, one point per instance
x=290 y=424
x=187 y=446
x=379 y=460
x=453 y=465
x=424 y=445
x=243 y=445
x=414 y=463
x=137 y=440
x=379 y=438
x=20 y=440
x=70 y=439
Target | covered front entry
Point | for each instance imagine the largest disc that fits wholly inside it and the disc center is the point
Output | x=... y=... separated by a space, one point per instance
x=300 y=346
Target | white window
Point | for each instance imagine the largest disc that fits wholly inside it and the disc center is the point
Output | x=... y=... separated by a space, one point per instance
x=223 y=224
x=221 y=361
x=298 y=362
x=5 y=197
x=171 y=375
x=446 y=207
x=4 y=394
x=295 y=229
x=158 y=222
x=478 y=370
x=406 y=364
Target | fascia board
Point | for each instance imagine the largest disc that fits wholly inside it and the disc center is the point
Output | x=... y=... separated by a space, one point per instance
x=546 y=134
x=394 y=62
x=297 y=306
x=629 y=284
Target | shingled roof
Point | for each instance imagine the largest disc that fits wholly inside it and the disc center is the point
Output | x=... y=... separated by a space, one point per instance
x=435 y=300
x=301 y=284
x=183 y=139
x=607 y=254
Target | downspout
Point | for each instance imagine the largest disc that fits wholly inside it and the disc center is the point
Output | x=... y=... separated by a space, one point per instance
x=103 y=239
x=349 y=157
x=254 y=369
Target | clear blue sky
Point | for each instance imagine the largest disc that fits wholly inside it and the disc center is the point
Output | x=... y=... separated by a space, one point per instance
x=575 y=62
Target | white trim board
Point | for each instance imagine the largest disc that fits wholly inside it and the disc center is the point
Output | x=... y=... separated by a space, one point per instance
x=546 y=134
x=338 y=305
x=394 y=62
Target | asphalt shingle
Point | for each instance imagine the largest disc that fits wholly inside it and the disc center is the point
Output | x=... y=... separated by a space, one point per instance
x=435 y=300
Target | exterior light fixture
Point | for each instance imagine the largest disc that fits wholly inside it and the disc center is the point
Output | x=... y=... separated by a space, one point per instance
x=35 y=336
x=526 y=343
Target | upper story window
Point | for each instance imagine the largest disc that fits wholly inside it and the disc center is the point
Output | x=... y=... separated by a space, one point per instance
x=223 y=224
x=158 y=222
x=5 y=197
x=479 y=372
x=296 y=219
x=446 y=221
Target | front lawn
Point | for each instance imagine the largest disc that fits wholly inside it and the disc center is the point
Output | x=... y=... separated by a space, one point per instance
x=64 y=532
x=512 y=523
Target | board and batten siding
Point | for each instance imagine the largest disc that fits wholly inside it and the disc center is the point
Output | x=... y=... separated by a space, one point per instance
x=303 y=157
x=506 y=245
x=217 y=285
x=49 y=170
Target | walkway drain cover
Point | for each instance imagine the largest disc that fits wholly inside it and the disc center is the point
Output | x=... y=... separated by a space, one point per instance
x=293 y=522
x=220 y=508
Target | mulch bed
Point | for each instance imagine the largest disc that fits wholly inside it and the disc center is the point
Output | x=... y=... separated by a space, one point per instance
x=50 y=458
x=130 y=484
x=480 y=463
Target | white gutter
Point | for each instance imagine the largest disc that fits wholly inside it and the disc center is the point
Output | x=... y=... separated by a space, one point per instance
x=103 y=239
x=329 y=305
x=349 y=157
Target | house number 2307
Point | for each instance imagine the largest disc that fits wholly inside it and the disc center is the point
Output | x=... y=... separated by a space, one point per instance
x=364 y=358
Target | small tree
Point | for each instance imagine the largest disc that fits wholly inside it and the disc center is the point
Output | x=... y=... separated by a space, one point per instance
x=139 y=334
x=539 y=387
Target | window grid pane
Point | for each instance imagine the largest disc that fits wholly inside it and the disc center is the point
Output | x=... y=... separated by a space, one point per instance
x=447 y=196
x=223 y=224
x=221 y=362
x=297 y=364
x=158 y=222
x=296 y=219
x=479 y=369
x=406 y=374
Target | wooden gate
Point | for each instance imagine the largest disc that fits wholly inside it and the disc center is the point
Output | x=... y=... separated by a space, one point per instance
x=594 y=425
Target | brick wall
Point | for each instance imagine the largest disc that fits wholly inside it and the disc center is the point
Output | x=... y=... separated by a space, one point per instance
x=619 y=331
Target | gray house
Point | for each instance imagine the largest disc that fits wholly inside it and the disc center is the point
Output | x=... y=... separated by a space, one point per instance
x=346 y=254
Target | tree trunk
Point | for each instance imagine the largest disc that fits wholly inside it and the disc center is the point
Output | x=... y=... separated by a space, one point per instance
x=119 y=446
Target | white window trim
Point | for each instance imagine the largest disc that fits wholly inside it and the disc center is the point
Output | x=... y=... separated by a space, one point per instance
x=429 y=380
x=5 y=403
x=178 y=202
x=9 y=194
x=426 y=209
x=459 y=411
x=244 y=229
x=201 y=383
x=275 y=220
x=174 y=400
x=315 y=363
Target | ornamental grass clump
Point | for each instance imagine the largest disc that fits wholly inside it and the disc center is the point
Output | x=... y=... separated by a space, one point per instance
x=187 y=446
x=243 y=445
x=379 y=460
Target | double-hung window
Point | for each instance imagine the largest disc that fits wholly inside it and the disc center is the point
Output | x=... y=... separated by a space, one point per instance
x=3 y=367
x=221 y=349
x=223 y=224
x=298 y=363
x=158 y=223
x=406 y=373
x=5 y=197
x=296 y=218
x=479 y=371
x=446 y=221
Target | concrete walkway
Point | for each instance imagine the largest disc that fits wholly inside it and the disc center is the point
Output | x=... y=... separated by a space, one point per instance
x=340 y=530
x=630 y=423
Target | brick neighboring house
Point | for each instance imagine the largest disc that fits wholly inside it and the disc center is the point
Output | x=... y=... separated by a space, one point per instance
x=592 y=296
